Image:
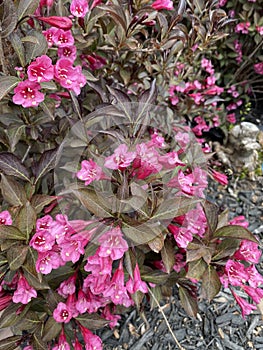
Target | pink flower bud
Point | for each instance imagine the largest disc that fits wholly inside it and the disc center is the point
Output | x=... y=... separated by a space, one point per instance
x=58 y=22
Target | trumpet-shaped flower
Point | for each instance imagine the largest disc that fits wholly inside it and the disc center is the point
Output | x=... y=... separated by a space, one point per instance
x=27 y=94
x=41 y=69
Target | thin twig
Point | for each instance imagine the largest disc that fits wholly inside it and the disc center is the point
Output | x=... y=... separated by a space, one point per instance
x=166 y=321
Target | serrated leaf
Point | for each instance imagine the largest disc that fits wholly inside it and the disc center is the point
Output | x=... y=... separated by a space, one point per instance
x=9 y=18
x=10 y=343
x=12 y=191
x=211 y=284
x=177 y=206
x=39 y=201
x=142 y=234
x=188 y=302
x=7 y=84
x=11 y=165
x=27 y=7
x=92 y=322
x=46 y=163
x=11 y=232
x=196 y=269
x=16 y=255
x=92 y=201
x=51 y=329
x=168 y=255
x=34 y=50
x=235 y=231
x=26 y=219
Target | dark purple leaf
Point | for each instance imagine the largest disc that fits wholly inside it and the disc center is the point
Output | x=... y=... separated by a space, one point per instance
x=12 y=165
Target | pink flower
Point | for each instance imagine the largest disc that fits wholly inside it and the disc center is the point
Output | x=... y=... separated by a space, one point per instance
x=248 y=251
x=77 y=345
x=242 y=27
x=67 y=287
x=48 y=3
x=106 y=313
x=219 y=177
x=62 y=313
x=63 y=38
x=181 y=235
x=93 y=61
x=120 y=159
x=41 y=69
x=5 y=218
x=82 y=302
x=231 y=118
x=49 y=35
x=68 y=76
x=179 y=262
x=99 y=265
x=64 y=23
x=42 y=241
x=27 y=94
x=239 y=220
x=246 y=308
x=236 y=272
x=89 y=172
x=259 y=68
x=146 y=161
x=112 y=244
x=255 y=293
x=62 y=342
x=259 y=29
x=92 y=341
x=24 y=292
x=47 y=261
x=72 y=248
x=69 y=52
x=255 y=278
x=171 y=160
x=79 y=8
x=162 y=5
x=134 y=284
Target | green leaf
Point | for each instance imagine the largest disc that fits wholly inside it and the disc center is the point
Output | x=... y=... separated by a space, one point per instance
x=226 y=248
x=7 y=84
x=9 y=316
x=18 y=47
x=188 y=301
x=12 y=191
x=168 y=255
x=39 y=201
x=92 y=322
x=235 y=231
x=154 y=276
x=11 y=165
x=11 y=232
x=10 y=343
x=34 y=50
x=16 y=255
x=26 y=219
x=51 y=329
x=27 y=7
x=171 y=208
x=9 y=18
x=94 y=202
x=196 y=269
x=211 y=284
x=46 y=163
x=142 y=234
x=211 y=212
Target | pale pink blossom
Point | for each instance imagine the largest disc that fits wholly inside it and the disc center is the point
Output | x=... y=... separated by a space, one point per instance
x=24 y=292
x=98 y=265
x=89 y=172
x=41 y=69
x=42 y=241
x=67 y=287
x=82 y=302
x=120 y=159
x=79 y=8
x=112 y=244
x=63 y=38
x=27 y=94
x=49 y=35
x=47 y=261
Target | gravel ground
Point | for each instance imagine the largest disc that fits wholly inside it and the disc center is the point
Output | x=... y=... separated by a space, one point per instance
x=219 y=325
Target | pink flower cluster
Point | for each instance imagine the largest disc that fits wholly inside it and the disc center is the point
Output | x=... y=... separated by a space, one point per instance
x=242 y=27
x=198 y=92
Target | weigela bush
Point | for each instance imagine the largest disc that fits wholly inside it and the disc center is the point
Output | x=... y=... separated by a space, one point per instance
x=102 y=193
